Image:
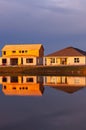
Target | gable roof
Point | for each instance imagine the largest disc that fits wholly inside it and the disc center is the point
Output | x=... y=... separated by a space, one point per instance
x=69 y=51
x=69 y=89
x=22 y=47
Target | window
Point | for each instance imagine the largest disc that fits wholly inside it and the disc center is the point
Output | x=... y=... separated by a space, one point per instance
x=4 y=52
x=76 y=60
x=14 y=79
x=26 y=51
x=52 y=60
x=22 y=51
x=14 y=61
x=29 y=60
x=29 y=80
x=19 y=51
x=13 y=51
x=53 y=79
x=4 y=61
x=4 y=79
x=4 y=87
x=14 y=88
x=64 y=80
x=23 y=88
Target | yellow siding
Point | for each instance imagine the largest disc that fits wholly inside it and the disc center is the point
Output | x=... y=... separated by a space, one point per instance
x=19 y=61
x=34 y=53
x=23 y=50
x=17 y=53
x=20 y=89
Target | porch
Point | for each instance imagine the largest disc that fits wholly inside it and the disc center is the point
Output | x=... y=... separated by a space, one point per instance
x=6 y=61
x=55 y=61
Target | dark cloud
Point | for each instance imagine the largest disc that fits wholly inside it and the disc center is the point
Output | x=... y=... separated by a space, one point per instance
x=47 y=21
x=57 y=9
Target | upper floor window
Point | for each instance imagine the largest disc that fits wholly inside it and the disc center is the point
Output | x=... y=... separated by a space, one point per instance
x=5 y=87
x=4 y=52
x=76 y=60
x=22 y=51
x=14 y=88
x=19 y=51
x=26 y=51
x=13 y=51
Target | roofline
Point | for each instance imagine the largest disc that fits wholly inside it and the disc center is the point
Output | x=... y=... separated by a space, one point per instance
x=15 y=44
x=51 y=54
x=65 y=56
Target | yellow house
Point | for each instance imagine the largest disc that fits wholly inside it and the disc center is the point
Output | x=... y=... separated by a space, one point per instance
x=66 y=56
x=22 y=85
x=22 y=54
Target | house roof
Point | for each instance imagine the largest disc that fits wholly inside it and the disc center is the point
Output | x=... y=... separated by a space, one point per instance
x=69 y=51
x=69 y=89
x=22 y=47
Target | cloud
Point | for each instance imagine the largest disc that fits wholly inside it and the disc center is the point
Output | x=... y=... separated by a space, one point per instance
x=68 y=4
x=45 y=17
x=54 y=5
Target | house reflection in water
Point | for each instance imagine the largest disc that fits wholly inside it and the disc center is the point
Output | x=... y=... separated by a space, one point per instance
x=22 y=85
x=34 y=85
x=65 y=83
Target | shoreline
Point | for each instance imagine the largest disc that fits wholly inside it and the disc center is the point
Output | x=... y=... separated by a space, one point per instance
x=78 y=70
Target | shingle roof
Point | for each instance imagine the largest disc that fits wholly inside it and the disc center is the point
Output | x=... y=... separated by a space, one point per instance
x=69 y=51
x=22 y=46
x=69 y=89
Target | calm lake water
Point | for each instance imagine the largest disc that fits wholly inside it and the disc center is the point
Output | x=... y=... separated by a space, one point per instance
x=42 y=103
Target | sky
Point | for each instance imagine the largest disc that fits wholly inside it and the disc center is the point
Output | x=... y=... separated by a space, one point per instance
x=54 y=23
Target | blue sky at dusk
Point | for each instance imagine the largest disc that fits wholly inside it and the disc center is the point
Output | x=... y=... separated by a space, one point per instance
x=54 y=23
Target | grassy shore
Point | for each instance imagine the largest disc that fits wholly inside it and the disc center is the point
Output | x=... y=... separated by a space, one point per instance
x=44 y=70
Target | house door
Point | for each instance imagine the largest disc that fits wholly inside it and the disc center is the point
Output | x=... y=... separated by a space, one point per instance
x=14 y=61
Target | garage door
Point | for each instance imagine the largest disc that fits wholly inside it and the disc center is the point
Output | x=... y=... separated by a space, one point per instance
x=14 y=61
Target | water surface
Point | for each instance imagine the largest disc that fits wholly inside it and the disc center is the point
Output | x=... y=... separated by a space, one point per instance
x=42 y=103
